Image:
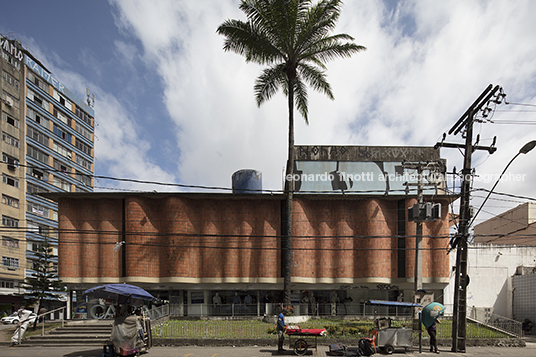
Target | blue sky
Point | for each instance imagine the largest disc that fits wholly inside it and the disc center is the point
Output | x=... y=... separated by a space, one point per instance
x=171 y=106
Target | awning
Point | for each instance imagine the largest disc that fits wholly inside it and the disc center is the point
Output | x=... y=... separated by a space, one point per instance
x=393 y=303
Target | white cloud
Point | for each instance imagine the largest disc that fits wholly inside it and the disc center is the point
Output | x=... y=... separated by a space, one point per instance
x=425 y=64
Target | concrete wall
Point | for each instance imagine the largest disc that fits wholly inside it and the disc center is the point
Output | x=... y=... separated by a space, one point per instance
x=490 y=269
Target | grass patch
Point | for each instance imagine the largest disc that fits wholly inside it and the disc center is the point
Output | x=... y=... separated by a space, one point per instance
x=335 y=329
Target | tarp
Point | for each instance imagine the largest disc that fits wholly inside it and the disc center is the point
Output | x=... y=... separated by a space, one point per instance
x=431 y=312
x=127 y=335
x=393 y=303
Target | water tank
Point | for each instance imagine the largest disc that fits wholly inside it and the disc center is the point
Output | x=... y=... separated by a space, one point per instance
x=247 y=181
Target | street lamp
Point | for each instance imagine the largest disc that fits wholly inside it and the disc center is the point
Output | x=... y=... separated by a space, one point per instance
x=525 y=149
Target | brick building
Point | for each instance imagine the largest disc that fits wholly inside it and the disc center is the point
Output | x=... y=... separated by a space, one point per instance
x=220 y=253
x=186 y=247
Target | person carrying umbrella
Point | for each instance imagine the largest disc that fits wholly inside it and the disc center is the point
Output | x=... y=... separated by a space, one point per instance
x=432 y=331
x=430 y=314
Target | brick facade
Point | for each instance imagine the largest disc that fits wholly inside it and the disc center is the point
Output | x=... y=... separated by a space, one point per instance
x=222 y=238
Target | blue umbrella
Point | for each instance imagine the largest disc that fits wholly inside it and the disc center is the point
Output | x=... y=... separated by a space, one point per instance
x=119 y=292
x=431 y=312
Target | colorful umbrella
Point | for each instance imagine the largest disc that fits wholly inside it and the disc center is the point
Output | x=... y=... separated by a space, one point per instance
x=431 y=312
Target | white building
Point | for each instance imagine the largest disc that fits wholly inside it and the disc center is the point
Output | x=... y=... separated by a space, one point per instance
x=491 y=267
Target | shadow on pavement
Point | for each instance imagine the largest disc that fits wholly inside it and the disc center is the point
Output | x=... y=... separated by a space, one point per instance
x=287 y=352
x=85 y=353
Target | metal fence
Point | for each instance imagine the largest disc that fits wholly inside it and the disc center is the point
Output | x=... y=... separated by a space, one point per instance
x=319 y=310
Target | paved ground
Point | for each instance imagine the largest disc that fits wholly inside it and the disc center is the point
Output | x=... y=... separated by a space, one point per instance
x=190 y=351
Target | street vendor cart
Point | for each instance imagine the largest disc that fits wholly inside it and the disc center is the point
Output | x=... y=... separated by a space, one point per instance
x=131 y=330
x=388 y=338
x=303 y=339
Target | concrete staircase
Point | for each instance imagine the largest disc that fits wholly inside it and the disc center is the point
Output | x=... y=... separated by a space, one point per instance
x=75 y=333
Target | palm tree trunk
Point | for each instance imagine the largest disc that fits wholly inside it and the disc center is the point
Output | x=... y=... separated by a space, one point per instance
x=286 y=251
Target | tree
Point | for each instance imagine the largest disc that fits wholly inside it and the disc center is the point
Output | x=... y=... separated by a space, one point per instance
x=293 y=38
x=44 y=283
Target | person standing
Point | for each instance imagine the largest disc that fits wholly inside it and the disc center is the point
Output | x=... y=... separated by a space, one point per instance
x=24 y=320
x=280 y=331
x=432 y=331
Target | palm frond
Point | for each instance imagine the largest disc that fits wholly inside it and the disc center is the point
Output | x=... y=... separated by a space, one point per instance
x=246 y=40
x=268 y=83
x=330 y=48
x=301 y=98
x=316 y=79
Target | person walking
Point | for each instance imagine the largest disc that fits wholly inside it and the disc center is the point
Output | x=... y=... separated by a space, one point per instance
x=24 y=320
x=432 y=331
x=281 y=327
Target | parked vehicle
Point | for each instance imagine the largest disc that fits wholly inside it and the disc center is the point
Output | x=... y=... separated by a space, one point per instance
x=14 y=319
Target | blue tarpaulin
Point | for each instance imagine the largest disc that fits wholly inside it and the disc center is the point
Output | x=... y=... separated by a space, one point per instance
x=393 y=303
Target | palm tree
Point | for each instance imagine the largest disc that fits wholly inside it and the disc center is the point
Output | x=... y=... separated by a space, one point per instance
x=293 y=38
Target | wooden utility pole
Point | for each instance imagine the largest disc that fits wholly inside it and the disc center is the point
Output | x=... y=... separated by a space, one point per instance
x=460 y=240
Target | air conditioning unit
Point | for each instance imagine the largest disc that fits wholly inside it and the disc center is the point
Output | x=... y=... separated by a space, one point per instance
x=9 y=101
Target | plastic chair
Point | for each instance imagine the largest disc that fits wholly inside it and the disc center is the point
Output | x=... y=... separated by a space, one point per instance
x=373 y=334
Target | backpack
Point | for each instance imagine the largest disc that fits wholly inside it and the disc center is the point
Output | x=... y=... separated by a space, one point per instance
x=337 y=349
x=365 y=347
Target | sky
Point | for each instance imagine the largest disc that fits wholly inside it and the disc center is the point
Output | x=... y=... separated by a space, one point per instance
x=171 y=106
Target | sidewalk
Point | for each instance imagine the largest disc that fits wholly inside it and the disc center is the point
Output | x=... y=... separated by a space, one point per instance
x=262 y=351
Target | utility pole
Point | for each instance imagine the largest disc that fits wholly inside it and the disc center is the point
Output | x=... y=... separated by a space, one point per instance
x=419 y=213
x=460 y=240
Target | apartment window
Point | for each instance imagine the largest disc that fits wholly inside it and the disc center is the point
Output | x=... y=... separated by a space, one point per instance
x=10 y=221
x=82 y=131
x=83 y=147
x=62 y=184
x=83 y=115
x=62 y=117
x=10 y=242
x=64 y=101
x=37 y=209
x=61 y=150
x=10 y=80
x=11 y=181
x=83 y=162
x=37 y=135
x=38 y=173
x=41 y=229
x=10 y=201
x=33 y=246
x=37 y=154
x=9 y=262
x=37 y=81
x=37 y=99
x=34 y=189
x=62 y=134
x=38 y=118
x=12 y=163
x=60 y=166
x=6 y=284
x=10 y=120
x=10 y=140
x=85 y=179
x=10 y=100
x=11 y=60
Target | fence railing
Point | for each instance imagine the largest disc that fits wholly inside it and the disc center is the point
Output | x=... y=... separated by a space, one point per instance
x=51 y=317
x=318 y=309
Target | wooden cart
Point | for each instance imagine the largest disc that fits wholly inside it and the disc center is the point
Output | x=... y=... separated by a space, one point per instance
x=303 y=339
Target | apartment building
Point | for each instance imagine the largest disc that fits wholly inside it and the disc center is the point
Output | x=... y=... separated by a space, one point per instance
x=47 y=146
